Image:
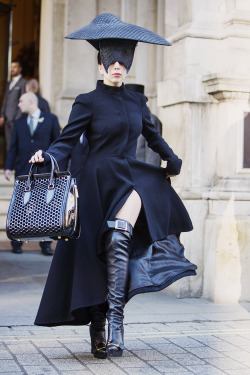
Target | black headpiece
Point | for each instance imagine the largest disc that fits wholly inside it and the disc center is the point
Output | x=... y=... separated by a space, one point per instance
x=112 y=50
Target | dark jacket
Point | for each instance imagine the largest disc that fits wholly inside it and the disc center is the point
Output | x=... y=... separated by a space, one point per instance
x=23 y=145
x=10 y=110
x=43 y=105
x=112 y=119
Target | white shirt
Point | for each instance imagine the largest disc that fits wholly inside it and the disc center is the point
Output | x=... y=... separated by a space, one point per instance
x=14 y=81
x=35 y=117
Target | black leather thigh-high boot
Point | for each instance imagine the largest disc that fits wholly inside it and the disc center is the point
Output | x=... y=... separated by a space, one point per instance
x=97 y=330
x=117 y=243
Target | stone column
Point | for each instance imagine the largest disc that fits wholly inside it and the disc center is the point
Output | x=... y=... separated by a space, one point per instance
x=51 y=49
x=203 y=101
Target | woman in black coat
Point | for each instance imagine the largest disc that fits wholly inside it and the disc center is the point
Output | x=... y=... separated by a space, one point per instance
x=130 y=215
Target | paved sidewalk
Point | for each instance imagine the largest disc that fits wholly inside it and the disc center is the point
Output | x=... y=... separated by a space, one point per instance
x=163 y=335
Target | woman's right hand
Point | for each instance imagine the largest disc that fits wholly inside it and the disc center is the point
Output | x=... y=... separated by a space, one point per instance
x=37 y=157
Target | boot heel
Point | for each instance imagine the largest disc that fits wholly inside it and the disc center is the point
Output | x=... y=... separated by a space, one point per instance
x=98 y=345
x=114 y=350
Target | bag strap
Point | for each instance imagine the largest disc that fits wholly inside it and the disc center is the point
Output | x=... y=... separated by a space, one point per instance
x=54 y=169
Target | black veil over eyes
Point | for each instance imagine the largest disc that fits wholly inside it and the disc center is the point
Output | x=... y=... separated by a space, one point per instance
x=121 y=50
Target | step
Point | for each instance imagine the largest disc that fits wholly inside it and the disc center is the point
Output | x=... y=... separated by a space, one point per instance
x=3 y=235
x=4 y=206
x=3 y=180
x=3 y=221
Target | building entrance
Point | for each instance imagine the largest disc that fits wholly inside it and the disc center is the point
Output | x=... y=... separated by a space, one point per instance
x=19 y=38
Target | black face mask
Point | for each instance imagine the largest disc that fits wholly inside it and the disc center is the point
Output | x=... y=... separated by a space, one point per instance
x=121 y=50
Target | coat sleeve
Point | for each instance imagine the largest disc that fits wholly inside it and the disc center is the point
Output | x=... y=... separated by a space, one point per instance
x=12 y=153
x=157 y=143
x=79 y=120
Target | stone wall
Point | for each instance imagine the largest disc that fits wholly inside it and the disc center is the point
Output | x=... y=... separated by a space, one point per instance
x=204 y=98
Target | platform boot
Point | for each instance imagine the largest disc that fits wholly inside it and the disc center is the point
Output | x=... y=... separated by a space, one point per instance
x=97 y=330
x=117 y=242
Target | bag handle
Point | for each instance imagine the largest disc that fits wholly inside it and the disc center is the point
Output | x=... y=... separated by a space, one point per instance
x=56 y=169
x=51 y=186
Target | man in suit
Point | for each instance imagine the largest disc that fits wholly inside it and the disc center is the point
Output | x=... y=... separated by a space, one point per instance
x=32 y=85
x=14 y=89
x=33 y=131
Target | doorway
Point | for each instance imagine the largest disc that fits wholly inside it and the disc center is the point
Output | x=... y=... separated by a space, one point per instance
x=19 y=32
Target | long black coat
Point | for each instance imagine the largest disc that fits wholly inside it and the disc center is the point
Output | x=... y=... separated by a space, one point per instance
x=23 y=145
x=112 y=119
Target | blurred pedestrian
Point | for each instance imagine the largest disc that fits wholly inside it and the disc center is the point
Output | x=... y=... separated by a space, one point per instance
x=14 y=89
x=32 y=85
x=32 y=131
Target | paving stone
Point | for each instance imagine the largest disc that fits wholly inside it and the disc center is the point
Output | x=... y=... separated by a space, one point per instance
x=4 y=354
x=205 y=352
x=136 y=344
x=140 y=371
x=185 y=342
x=10 y=366
x=153 y=340
x=47 y=343
x=149 y=354
x=186 y=359
x=205 y=370
x=40 y=370
x=164 y=365
x=106 y=369
x=125 y=362
x=26 y=348
x=223 y=346
x=30 y=359
x=87 y=358
x=77 y=348
x=240 y=356
x=169 y=348
x=238 y=372
x=68 y=364
x=56 y=353
x=205 y=339
x=225 y=363
x=235 y=340
x=76 y=372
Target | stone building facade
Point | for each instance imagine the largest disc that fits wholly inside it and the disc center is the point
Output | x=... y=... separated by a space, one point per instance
x=200 y=89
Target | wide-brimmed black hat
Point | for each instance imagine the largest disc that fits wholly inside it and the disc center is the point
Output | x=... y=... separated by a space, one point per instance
x=109 y=26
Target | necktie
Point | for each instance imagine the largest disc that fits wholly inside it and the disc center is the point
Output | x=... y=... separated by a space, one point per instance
x=31 y=126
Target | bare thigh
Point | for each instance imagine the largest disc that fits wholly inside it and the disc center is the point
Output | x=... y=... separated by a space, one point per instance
x=131 y=209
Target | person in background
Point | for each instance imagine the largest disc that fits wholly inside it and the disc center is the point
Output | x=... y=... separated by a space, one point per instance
x=14 y=89
x=32 y=85
x=34 y=130
x=143 y=152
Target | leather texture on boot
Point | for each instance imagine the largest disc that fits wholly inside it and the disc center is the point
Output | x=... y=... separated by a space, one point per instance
x=117 y=258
